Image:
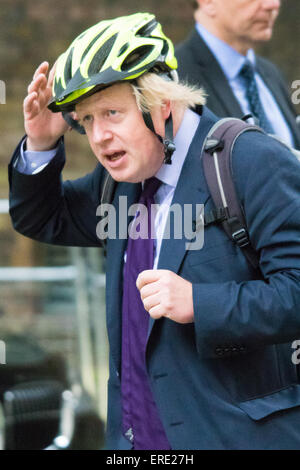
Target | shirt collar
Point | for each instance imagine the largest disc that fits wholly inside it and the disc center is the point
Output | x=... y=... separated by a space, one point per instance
x=229 y=59
x=169 y=174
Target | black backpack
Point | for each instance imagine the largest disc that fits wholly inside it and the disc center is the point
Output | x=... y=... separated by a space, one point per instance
x=217 y=165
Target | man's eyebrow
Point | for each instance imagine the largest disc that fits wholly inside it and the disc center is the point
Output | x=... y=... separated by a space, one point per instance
x=82 y=114
x=104 y=105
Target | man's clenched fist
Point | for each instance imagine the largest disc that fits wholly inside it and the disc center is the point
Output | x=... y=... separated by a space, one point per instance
x=165 y=294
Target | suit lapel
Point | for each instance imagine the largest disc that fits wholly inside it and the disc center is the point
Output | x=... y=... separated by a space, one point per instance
x=220 y=95
x=210 y=67
x=281 y=100
x=191 y=189
x=115 y=263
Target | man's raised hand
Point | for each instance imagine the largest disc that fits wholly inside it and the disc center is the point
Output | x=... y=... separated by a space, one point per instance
x=42 y=126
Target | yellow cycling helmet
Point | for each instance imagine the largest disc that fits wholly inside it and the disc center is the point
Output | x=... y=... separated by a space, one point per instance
x=110 y=51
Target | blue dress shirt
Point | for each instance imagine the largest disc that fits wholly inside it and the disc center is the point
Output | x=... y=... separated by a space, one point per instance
x=231 y=62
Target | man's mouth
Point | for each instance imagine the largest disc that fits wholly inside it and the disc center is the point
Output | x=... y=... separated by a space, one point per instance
x=115 y=156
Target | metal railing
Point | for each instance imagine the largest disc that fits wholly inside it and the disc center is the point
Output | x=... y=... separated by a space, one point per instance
x=89 y=299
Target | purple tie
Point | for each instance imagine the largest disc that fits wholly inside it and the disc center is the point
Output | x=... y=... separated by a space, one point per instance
x=141 y=422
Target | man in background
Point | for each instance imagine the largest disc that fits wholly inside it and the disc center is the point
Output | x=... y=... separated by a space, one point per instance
x=219 y=55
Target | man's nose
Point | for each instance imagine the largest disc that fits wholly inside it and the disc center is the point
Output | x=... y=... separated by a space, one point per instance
x=271 y=4
x=101 y=133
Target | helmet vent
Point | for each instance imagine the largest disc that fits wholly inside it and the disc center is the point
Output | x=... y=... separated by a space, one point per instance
x=136 y=57
x=123 y=49
x=147 y=29
x=101 y=55
x=68 y=67
x=165 y=48
x=92 y=43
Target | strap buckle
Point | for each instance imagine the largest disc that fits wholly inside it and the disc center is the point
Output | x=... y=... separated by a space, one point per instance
x=241 y=237
x=213 y=145
x=169 y=149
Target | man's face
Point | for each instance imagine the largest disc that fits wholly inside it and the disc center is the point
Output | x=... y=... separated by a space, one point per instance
x=118 y=135
x=244 y=22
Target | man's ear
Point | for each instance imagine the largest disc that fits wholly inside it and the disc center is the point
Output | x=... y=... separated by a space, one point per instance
x=166 y=109
x=207 y=7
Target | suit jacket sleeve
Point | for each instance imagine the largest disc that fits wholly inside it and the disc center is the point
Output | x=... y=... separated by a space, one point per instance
x=250 y=314
x=44 y=208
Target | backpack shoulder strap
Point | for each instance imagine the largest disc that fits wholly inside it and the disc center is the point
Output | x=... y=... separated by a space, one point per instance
x=108 y=189
x=106 y=197
x=217 y=164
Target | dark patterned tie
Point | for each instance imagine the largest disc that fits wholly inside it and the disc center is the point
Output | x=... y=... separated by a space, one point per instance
x=247 y=74
x=141 y=421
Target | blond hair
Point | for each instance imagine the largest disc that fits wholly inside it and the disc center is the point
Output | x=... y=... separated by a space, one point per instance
x=153 y=90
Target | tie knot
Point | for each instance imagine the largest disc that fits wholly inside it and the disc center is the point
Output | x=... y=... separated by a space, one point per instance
x=151 y=185
x=247 y=71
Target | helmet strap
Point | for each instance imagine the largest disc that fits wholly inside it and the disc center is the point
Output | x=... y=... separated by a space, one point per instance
x=168 y=140
x=72 y=122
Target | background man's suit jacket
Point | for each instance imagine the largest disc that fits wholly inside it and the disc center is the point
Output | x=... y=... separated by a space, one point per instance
x=198 y=65
x=226 y=381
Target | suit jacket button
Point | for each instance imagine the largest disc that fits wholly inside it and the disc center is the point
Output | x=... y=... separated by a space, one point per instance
x=219 y=351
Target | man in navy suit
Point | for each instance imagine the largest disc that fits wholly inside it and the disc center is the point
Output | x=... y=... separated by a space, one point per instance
x=202 y=345
x=213 y=56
